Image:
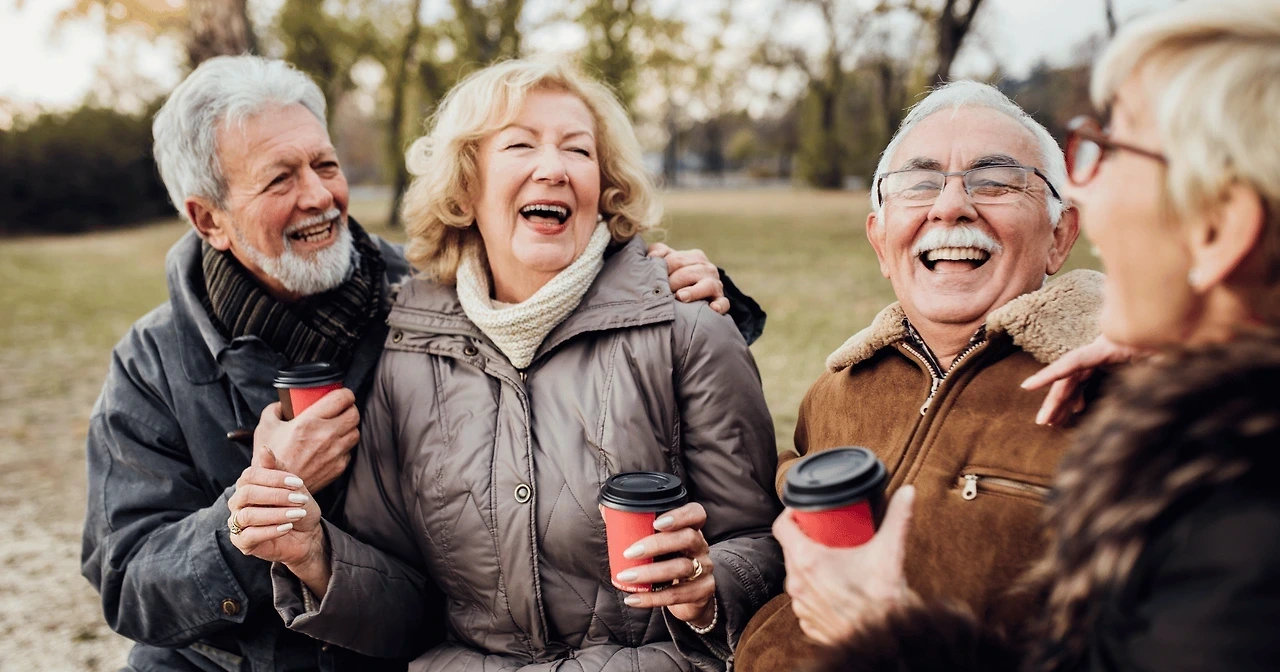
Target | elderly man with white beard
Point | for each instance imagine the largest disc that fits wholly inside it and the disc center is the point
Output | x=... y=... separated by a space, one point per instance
x=967 y=224
x=274 y=273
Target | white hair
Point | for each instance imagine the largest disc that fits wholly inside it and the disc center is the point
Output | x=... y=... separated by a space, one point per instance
x=1211 y=79
x=222 y=92
x=964 y=93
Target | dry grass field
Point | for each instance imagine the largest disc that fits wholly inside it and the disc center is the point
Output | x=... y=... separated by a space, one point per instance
x=65 y=301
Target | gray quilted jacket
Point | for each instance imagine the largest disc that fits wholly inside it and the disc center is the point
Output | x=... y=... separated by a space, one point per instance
x=480 y=480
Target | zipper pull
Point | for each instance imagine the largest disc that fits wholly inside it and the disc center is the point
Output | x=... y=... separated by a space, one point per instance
x=523 y=375
x=933 y=389
x=970 y=488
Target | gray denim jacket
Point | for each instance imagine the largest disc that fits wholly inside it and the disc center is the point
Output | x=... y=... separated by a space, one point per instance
x=160 y=471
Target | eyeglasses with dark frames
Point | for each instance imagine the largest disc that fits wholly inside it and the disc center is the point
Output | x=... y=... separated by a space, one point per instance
x=1088 y=144
x=986 y=185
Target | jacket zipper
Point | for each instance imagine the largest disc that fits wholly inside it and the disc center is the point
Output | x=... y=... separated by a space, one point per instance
x=936 y=377
x=971 y=481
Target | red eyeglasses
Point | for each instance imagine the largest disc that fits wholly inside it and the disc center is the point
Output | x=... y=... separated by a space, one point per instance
x=1088 y=145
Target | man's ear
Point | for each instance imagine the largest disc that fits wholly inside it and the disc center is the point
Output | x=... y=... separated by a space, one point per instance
x=1064 y=238
x=1221 y=242
x=876 y=234
x=208 y=222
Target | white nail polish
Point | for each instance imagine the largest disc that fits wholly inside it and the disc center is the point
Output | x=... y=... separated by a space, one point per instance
x=285 y=528
x=633 y=552
x=632 y=600
x=628 y=576
x=293 y=482
x=295 y=514
x=298 y=498
x=663 y=523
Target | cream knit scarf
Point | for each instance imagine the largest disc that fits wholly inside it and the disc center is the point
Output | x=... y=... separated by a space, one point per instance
x=519 y=329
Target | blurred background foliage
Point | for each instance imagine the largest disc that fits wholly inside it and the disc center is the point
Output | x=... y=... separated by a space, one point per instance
x=717 y=94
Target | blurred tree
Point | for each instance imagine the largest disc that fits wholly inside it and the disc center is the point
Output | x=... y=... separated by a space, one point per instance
x=611 y=25
x=207 y=28
x=218 y=28
x=951 y=25
x=489 y=29
x=76 y=171
x=327 y=42
x=395 y=124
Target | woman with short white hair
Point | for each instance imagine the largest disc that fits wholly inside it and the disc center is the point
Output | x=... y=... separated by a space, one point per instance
x=1165 y=521
x=540 y=352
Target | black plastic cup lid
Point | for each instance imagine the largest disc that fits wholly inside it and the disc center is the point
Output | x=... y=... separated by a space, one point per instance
x=643 y=492
x=309 y=375
x=833 y=478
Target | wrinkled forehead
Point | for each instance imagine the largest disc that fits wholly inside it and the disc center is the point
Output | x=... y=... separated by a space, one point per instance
x=963 y=138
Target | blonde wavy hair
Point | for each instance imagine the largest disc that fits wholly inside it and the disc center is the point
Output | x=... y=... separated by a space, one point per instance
x=437 y=208
x=1211 y=69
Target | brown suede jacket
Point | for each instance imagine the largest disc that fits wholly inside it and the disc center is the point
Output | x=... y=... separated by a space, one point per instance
x=966 y=438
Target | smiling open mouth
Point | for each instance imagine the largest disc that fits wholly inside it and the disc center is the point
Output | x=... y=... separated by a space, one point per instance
x=954 y=258
x=546 y=214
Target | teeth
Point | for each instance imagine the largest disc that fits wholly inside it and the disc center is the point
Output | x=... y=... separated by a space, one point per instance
x=957 y=254
x=540 y=208
x=313 y=233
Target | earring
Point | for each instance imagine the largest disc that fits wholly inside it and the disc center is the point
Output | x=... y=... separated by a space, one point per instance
x=1193 y=278
x=599 y=218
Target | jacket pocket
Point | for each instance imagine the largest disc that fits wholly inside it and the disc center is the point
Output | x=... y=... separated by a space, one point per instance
x=975 y=482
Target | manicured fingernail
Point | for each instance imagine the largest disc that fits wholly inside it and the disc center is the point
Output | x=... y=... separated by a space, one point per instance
x=298 y=498
x=632 y=601
x=293 y=482
x=294 y=514
x=663 y=523
x=628 y=576
x=635 y=551
x=285 y=528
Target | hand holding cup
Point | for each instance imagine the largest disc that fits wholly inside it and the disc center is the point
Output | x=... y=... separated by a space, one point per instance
x=316 y=445
x=681 y=560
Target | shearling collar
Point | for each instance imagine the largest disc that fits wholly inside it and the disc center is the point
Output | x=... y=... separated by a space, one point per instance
x=1046 y=323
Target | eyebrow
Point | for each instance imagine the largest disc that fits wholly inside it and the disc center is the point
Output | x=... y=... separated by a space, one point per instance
x=994 y=160
x=287 y=163
x=921 y=163
x=567 y=136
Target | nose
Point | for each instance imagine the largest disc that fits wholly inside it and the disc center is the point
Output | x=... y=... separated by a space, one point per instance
x=953 y=203
x=550 y=168
x=314 y=194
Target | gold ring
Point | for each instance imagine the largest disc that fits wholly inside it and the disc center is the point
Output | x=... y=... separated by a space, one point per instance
x=233 y=525
x=697 y=570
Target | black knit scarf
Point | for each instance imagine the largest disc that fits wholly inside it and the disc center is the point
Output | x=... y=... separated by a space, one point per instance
x=323 y=327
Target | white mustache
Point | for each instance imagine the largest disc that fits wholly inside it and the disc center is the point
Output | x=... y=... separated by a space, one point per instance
x=955 y=236
x=327 y=215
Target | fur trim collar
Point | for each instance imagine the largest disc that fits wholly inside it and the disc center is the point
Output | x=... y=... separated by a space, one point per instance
x=1046 y=323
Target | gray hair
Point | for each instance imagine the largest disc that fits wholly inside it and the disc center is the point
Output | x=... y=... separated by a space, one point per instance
x=956 y=95
x=222 y=92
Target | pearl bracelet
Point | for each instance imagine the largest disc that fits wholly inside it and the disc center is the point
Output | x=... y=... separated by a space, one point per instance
x=715 y=618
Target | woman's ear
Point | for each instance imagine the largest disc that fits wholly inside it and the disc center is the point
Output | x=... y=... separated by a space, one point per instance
x=1221 y=242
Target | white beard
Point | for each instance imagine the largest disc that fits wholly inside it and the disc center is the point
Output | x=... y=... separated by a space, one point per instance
x=305 y=276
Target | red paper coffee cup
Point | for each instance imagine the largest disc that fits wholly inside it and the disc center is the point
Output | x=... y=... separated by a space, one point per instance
x=837 y=496
x=630 y=503
x=304 y=384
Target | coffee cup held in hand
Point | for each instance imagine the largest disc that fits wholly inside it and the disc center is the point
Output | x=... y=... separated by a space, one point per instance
x=630 y=503
x=304 y=384
x=837 y=496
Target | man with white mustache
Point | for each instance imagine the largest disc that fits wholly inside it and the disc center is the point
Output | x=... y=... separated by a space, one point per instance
x=967 y=225
x=274 y=273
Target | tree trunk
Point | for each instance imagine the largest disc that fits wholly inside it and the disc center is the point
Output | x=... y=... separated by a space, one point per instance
x=218 y=28
x=395 y=129
x=671 y=153
x=952 y=28
x=1111 y=18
